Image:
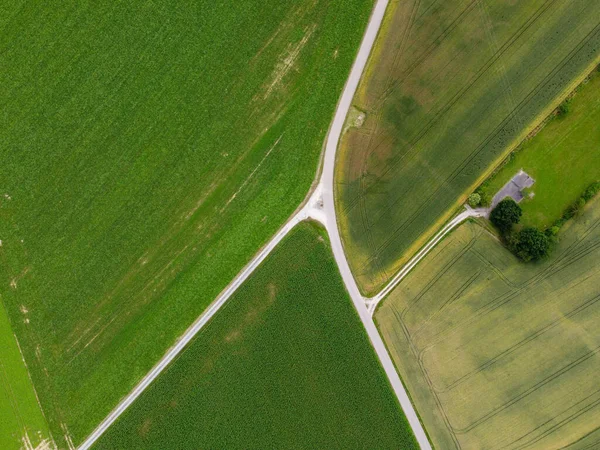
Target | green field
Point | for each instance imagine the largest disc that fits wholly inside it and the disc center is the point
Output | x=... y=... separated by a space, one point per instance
x=22 y=421
x=500 y=354
x=452 y=87
x=563 y=158
x=285 y=364
x=147 y=151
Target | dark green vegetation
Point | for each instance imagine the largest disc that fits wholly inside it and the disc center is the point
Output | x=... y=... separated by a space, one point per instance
x=452 y=88
x=529 y=243
x=22 y=421
x=147 y=150
x=498 y=354
x=563 y=158
x=506 y=214
x=285 y=364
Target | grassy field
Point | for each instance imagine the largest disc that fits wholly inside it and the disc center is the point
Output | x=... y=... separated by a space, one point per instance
x=451 y=88
x=22 y=421
x=563 y=158
x=147 y=150
x=285 y=364
x=497 y=353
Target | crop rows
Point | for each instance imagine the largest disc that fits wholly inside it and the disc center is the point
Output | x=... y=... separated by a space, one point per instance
x=147 y=151
x=451 y=109
x=500 y=351
x=285 y=362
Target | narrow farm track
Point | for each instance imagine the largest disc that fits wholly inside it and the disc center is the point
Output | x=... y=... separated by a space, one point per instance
x=374 y=301
x=320 y=207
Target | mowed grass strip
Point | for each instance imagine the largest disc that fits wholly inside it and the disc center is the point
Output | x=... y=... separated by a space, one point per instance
x=285 y=364
x=22 y=422
x=497 y=353
x=147 y=151
x=563 y=158
x=452 y=88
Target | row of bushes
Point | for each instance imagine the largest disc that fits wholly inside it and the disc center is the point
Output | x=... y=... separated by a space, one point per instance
x=531 y=243
x=575 y=209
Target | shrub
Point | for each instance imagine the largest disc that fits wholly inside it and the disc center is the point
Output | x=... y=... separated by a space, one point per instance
x=559 y=223
x=486 y=199
x=531 y=244
x=564 y=108
x=474 y=199
x=575 y=208
x=569 y=213
x=591 y=191
x=506 y=214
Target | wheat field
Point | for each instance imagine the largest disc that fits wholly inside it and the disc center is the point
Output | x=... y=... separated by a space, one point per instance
x=498 y=354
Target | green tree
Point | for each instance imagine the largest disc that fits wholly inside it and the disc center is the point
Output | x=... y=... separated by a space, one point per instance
x=506 y=214
x=564 y=108
x=531 y=244
x=486 y=199
x=474 y=199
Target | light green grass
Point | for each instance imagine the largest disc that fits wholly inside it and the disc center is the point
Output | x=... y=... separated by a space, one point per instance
x=22 y=421
x=499 y=354
x=563 y=158
x=285 y=363
x=452 y=88
x=147 y=151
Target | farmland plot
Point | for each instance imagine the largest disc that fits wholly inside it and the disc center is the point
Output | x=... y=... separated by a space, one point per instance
x=147 y=151
x=285 y=364
x=497 y=353
x=563 y=158
x=451 y=88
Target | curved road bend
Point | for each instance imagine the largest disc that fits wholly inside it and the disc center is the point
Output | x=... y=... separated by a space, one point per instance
x=327 y=187
x=320 y=206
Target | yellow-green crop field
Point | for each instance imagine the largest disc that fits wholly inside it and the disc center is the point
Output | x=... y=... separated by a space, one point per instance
x=451 y=88
x=499 y=354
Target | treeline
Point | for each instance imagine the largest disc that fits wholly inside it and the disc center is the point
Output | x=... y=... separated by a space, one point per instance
x=531 y=243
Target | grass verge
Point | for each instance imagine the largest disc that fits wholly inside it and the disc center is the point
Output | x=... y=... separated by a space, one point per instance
x=22 y=422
